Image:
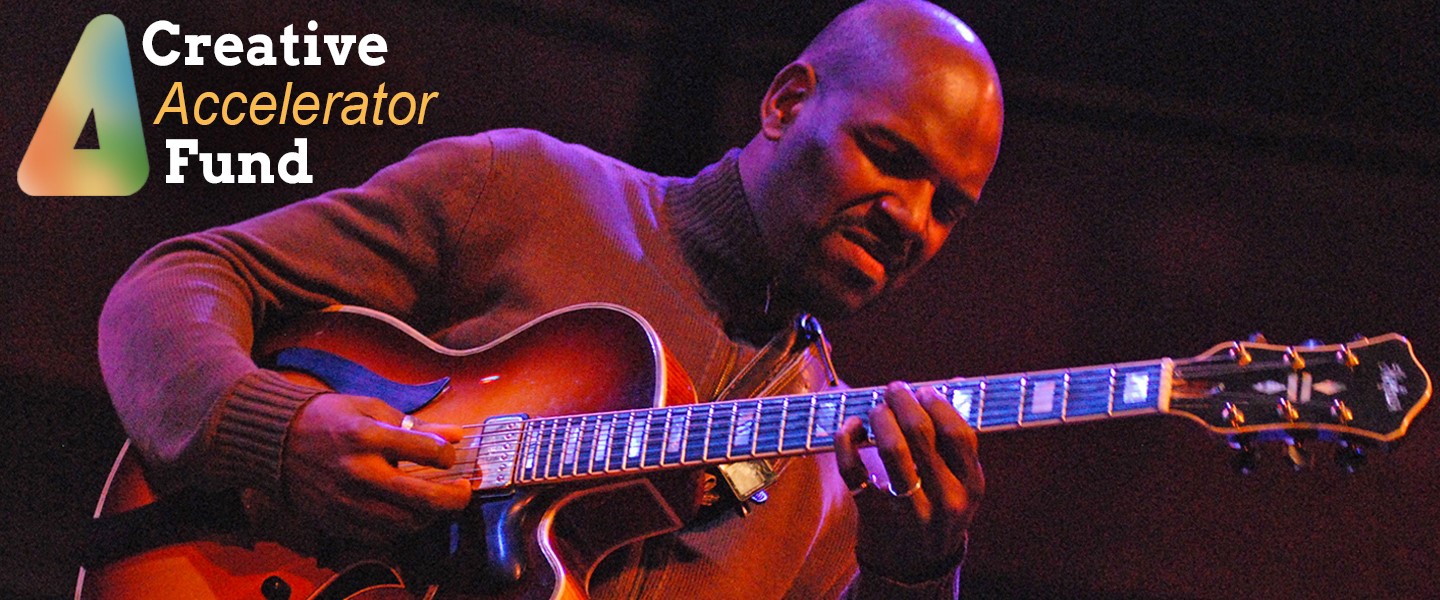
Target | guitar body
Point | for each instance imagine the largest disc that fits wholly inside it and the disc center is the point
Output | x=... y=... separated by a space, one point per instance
x=540 y=542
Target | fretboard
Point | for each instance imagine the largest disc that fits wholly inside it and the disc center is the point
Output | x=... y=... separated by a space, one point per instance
x=519 y=451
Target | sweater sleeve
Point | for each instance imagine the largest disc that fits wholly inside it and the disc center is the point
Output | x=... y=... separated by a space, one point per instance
x=867 y=585
x=177 y=329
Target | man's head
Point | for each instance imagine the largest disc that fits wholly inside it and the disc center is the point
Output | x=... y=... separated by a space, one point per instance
x=873 y=145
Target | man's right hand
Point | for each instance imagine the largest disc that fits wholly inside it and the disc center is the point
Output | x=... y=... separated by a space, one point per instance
x=340 y=468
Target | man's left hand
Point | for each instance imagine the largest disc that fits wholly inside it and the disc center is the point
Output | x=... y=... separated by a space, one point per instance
x=915 y=530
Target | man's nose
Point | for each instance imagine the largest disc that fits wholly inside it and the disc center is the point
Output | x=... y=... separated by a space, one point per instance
x=909 y=207
x=908 y=213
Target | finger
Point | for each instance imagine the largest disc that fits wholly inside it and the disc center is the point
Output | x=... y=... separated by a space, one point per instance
x=430 y=496
x=919 y=431
x=894 y=449
x=420 y=447
x=956 y=442
x=385 y=484
x=450 y=433
x=362 y=503
x=847 y=455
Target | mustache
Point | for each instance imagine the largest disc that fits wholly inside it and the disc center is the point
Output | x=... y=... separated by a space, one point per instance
x=892 y=249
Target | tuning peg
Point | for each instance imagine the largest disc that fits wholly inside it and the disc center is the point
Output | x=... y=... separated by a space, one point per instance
x=1258 y=338
x=1293 y=358
x=1347 y=357
x=1245 y=460
x=1350 y=456
x=1311 y=343
x=1240 y=354
x=1297 y=453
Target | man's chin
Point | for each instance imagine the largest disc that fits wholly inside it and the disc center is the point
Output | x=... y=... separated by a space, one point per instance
x=838 y=301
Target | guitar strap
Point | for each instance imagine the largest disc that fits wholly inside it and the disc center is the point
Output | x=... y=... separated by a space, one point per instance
x=787 y=360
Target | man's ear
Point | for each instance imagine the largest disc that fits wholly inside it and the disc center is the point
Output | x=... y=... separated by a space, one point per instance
x=792 y=86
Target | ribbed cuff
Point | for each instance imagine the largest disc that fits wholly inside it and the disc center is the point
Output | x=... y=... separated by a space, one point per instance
x=871 y=584
x=249 y=441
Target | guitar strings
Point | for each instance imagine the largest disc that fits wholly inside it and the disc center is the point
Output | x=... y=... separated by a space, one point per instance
x=567 y=455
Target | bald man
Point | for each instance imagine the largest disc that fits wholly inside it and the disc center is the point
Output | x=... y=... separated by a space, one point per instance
x=872 y=146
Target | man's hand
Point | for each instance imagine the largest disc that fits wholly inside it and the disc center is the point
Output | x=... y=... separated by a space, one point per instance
x=340 y=468
x=915 y=530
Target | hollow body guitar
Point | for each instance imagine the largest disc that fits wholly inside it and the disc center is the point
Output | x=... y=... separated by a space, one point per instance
x=582 y=413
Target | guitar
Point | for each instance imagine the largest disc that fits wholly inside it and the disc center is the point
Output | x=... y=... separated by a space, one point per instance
x=582 y=412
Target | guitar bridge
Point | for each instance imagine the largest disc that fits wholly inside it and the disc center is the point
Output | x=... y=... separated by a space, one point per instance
x=496 y=449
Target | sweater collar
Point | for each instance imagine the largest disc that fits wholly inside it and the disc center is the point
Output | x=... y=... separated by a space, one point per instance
x=711 y=220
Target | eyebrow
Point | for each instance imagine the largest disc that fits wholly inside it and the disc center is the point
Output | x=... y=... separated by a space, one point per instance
x=904 y=144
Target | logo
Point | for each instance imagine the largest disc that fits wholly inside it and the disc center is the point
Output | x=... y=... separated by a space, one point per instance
x=98 y=84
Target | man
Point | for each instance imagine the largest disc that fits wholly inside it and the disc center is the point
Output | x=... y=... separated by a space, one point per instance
x=873 y=144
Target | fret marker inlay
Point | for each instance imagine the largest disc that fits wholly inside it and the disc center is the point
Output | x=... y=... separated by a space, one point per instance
x=1044 y=401
x=1137 y=387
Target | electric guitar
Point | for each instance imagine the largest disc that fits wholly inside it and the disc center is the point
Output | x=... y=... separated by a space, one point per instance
x=581 y=412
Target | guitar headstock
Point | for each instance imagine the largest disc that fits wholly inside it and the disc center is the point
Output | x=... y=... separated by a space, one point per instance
x=1358 y=394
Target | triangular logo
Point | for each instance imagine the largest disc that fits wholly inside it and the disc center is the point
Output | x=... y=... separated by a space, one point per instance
x=99 y=82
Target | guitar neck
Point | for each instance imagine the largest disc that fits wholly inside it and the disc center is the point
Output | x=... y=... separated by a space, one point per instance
x=519 y=451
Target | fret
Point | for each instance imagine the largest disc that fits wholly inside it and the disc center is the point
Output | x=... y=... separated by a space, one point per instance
x=604 y=428
x=734 y=429
x=675 y=423
x=652 y=444
x=810 y=424
x=555 y=457
x=1001 y=405
x=963 y=396
x=1138 y=388
x=1090 y=392
x=555 y=461
x=584 y=440
x=980 y=416
x=1142 y=387
x=694 y=445
x=570 y=448
x=1020 y=404
x=831 y=414
x=619 y=442
x=748 y=421
x=1110 y=403
x=796 y=427
x=783 y=425
x=547 y=440
x=722 y=423
x=542 y=461
x=585 y=445
x=1041 y=407
x=876 y=398
x=767 y=431
x=531 y=452
x=634 y=443
x=1065 y=397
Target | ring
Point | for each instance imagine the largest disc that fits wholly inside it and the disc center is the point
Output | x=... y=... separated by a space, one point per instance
x=910 y=491
x=855 y=491
x=407 y=423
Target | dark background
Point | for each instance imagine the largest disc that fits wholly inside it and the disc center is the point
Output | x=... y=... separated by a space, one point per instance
x=1171 y=177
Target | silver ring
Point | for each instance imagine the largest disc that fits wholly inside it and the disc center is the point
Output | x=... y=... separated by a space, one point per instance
x=910 y=491
x=407 y=423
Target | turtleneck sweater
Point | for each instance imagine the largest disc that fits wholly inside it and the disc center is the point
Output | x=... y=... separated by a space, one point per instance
x=466 y=240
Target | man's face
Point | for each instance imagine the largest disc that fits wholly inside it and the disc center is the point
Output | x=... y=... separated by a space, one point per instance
x=869 y=181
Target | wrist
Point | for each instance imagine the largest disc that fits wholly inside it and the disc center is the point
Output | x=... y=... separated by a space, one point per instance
x=919 y=574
